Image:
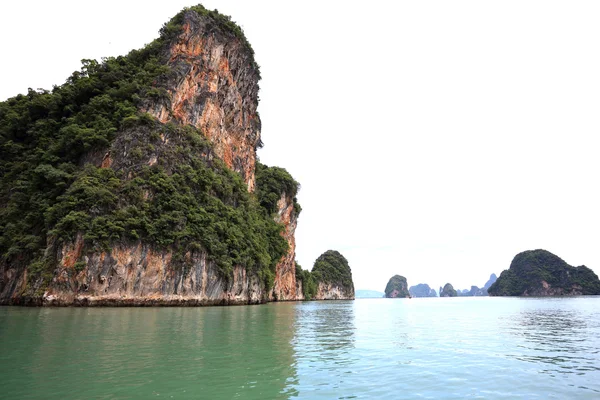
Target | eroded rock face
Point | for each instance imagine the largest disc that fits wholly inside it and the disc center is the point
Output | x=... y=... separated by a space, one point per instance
x=214 y=87
x=140 y=275
x=285 y=287
x=330 y=291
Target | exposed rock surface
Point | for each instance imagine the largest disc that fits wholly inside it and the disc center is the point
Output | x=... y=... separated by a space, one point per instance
x=140 y=276
x=214 y=87
x=448 y=291
x=422 y=290
x=397 y=287
x=285 y=287
x=541 y=273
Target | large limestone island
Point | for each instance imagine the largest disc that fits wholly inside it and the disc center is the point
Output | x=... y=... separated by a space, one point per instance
x=137 y=183
x=541 y=273
x=397 y=287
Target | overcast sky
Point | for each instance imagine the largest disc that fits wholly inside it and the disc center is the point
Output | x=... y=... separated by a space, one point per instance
x=432 y=139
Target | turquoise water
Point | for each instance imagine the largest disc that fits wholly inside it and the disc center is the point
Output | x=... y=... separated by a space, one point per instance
x=452 y=348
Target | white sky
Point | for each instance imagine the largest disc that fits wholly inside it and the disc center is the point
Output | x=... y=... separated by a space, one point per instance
x=432 y=139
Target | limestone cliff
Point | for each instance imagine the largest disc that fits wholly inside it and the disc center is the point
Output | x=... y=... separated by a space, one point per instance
x=133 y=198
x=213 y=85
x=285 y=287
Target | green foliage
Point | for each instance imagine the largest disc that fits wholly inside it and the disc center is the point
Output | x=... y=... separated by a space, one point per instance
x=44 y=136
x=528 y=269
x=397 y=283
x=309 y=285
x=271 y=184
x=79 y=266
x=49 y=192
x=332 y=267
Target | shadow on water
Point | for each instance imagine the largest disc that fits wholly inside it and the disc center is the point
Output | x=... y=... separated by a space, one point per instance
x=217 y=353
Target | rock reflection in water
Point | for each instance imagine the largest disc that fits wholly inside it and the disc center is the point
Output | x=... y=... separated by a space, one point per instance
x=324 y=342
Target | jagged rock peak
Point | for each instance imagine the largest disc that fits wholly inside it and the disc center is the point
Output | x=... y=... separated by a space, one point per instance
x=212 y=84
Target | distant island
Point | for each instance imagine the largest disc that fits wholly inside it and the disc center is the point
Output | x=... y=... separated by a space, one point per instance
x=422 y=290
x=475 y=291
x=448 y=291
x=541 y=273
x=397 y=288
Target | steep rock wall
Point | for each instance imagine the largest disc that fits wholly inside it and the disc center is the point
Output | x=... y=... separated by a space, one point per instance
x=330 y=291
x=285 y=287
x=135 y=275
x=213 y=85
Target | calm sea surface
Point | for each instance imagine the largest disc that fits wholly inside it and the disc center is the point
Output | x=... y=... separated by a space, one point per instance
x=488 y=348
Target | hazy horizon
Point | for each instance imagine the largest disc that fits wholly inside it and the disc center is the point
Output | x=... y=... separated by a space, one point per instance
x=434 y=140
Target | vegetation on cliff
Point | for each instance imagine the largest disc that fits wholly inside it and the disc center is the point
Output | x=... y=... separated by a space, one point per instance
x=397 y=287
x=448 y=291
x=330 y=268
x=51 y=188
x=541 y=273
x=309 y=285
x=271 y=184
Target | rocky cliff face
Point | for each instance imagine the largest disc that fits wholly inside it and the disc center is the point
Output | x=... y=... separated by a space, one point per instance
x=138 y=276
x=333 y=291
x=213 y=85
x=285 y=287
